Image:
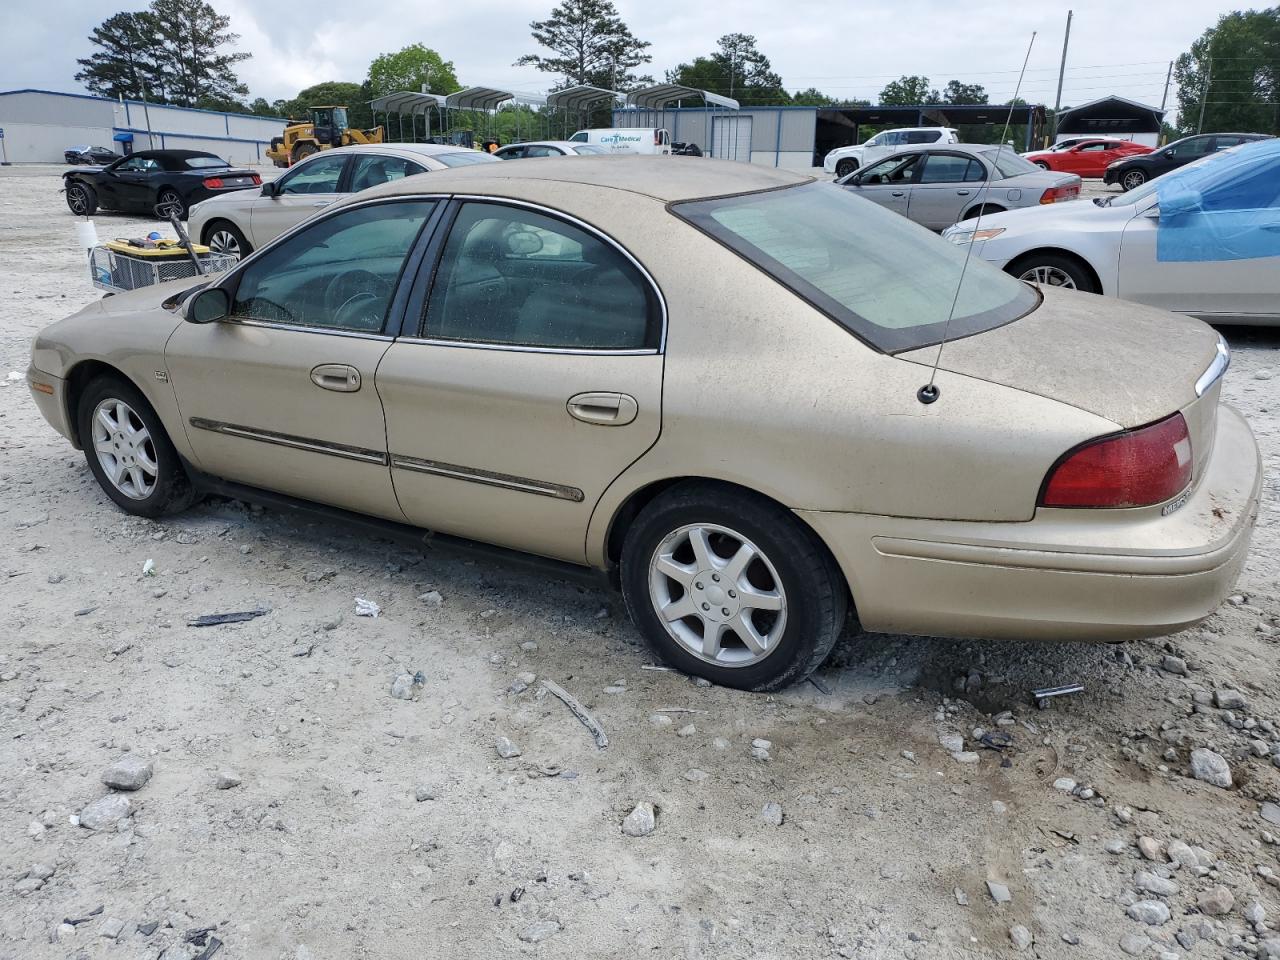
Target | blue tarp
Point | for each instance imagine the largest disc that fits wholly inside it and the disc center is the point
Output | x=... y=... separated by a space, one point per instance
x=1225 y=207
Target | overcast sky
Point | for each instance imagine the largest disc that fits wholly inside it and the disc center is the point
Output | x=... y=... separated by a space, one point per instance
x=845 y=49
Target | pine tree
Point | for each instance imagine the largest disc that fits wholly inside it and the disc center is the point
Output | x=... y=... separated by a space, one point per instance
x=191 y=37
x=125 y=65
x=590 y=44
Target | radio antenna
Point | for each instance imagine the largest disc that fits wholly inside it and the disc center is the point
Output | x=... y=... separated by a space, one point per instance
x=930 y=391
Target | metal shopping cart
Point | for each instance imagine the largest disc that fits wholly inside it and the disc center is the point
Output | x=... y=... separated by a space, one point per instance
x=117 y=266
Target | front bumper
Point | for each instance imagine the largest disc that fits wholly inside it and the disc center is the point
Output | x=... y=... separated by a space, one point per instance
x=1111 y=176
x=50 y=394
x=1067 y=574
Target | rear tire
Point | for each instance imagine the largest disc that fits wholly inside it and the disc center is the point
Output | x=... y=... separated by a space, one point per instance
x=168 y=201
x=1053 y=270
x=765 y=600
x=1041 y=164
x=845 y=167
x=82 y=199
x=222 y=236
x=129 y=452
x=1132 y=180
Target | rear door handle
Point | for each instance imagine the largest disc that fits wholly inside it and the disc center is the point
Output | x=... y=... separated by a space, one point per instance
x=339 y=377
x=898 y=193
x=962 y=193
x=606 y=409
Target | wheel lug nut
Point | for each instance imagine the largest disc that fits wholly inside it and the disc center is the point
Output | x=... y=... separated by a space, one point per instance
x=698 y=585
x=725 y=611
x=706 y=606
x=715 y=577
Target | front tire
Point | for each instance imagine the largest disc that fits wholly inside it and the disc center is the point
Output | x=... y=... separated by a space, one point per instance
x=304 y=150
x=168 y=201
x=1132 y=179
x=1053 y=270
x=225 y=237
x=728 y=585
x=82 y=199
x=129 y=452
x=1041 y=164
x=845 y=167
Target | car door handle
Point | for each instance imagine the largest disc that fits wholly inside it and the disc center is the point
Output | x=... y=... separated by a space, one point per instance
x=339 y=377
x=322 y=203
x=898 y=193
x=962 y=193
x=606 y=409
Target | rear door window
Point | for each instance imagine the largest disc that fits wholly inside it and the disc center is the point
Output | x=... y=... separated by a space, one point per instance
x=371 y=169
x=949 y=168
x=320 y=175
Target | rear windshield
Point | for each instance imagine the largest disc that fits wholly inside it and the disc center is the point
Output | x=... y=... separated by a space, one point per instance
x=1009 y=163
x=462 y=158
x=887 y=280
x=204 y=163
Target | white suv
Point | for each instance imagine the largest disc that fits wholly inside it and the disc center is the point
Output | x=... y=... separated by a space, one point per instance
x=844 y=160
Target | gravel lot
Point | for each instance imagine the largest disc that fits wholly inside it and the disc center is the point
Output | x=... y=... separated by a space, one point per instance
x=296 y=809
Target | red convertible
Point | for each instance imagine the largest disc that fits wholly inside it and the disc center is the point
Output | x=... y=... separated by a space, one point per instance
x=1088 y=158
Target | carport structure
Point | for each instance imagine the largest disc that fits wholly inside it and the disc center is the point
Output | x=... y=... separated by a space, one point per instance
x=840 y=126
x=483 y=103
x=406 y=103
x=724 y=133
x=574 y=107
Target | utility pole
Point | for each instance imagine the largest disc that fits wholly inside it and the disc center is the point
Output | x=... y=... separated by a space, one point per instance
x=1204 y=95
x=1167 y=77
x=1062 y=70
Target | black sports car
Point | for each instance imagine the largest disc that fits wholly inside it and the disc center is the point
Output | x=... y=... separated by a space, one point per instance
x=155 y=182
x=87 y=154
x=1134 y=171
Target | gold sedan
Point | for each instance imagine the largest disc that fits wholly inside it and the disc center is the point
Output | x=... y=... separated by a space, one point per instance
x=713 y=381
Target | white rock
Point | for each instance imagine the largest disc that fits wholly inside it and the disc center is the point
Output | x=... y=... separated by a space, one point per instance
x=660 y=720
x=105 y=812
x=965 y=756
x=506 y=749
x=1151 y=912
x=1255 y=913
x=1210 y=767
x=1182 y=855
x=688 y=730
x=694 y=775
x=951 y=742
x=539 y=930
x=641 y=821
x=402 y=687
x=1020 y=937
x=111 y=928
x=1065 y=784
x=771 y=814
x=1152 y=849
x=999 y=892
x=1150 y=883
x=1216 y=902
x=226 y=779
x=432 y=598
x=130 y=772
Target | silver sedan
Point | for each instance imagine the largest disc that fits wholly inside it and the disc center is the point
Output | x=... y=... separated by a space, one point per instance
x=940 y=185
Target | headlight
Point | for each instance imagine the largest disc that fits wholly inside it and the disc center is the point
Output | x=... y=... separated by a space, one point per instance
x=1116 y=163
x=962 y=235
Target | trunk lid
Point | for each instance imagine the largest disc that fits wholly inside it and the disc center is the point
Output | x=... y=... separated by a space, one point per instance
x=1128 y=363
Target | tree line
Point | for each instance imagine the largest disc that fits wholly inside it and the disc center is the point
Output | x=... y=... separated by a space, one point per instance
x=175 y=52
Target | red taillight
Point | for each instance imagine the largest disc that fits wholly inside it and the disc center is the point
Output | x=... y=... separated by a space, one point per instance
x=1132 y=469
x=257 y=180
x=213 y=183
x=1057 y=194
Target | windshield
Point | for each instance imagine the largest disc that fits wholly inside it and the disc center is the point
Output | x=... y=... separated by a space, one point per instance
x=887 y=280
x=463 y=158
x=340 y=117
x=1008 y=163
x=204 y=163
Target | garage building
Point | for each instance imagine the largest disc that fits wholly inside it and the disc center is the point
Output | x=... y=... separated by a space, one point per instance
x=1112 y=117
x=39 y=124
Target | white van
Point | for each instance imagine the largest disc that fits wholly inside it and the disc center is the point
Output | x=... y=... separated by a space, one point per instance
x=644 y=140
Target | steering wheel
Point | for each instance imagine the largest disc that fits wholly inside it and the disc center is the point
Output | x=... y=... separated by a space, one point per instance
x=355 y=291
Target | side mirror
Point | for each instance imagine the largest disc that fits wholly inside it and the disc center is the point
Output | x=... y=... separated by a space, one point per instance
x=209 y=305
x=1168 y=153
x=269 y=188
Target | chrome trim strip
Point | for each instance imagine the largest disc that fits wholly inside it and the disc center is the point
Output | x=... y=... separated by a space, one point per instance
x=288 y=440
x=1213 y=373
x=516 y=348
x=294 y=328
x=506 y=481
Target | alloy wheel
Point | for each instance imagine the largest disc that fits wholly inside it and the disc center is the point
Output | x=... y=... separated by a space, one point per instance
x=77 y=200
x=1043 y=276
x=717 y=595
x=1133 y=179
x=224 y=242
x=125 y=449
x=168 y=203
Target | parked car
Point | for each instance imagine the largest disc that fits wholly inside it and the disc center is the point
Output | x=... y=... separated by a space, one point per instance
x=88 y=154
x=238 y=225
x=937 y=186
x=157 y=182
x=1132 y=172
x=1088 y=159
x=539 y=362
x=1203 y=240
x=641 y=140
x=1064 y=144
x=842 y=161
x=547 y=148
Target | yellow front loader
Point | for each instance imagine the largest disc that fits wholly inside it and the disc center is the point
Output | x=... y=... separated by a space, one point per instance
x=327 y=128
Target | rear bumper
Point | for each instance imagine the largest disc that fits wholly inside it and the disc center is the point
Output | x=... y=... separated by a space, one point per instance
x=50 y=394
x=1067 y=574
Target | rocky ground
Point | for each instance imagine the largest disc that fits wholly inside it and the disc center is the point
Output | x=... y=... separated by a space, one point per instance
x=318 y=784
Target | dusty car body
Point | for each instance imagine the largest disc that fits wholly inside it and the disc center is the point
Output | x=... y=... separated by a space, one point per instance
x=743 y=446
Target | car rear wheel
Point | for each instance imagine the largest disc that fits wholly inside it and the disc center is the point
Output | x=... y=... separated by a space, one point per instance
x=226 y=238
x=129 y=452
x=82 y=199
x=168 y=202
x=1132 y=179
x=845 y=167
x=1052 y=270
x=1041 y=164
x=730 y=586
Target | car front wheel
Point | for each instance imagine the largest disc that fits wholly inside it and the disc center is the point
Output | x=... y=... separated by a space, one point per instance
x=730 y=586
x=82 y=199
x=845 y=167
x=225 y=238
x=1052 y=270
x=1132 y=179
x=129 y=452
x=1042 y=165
